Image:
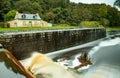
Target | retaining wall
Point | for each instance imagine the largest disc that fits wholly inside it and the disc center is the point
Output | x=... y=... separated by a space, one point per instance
x=21 y=44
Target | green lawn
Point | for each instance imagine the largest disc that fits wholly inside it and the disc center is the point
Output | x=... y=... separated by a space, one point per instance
x=36 y=28
x=112 y=28
x=47 y=28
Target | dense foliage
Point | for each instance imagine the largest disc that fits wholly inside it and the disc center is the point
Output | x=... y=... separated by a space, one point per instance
x=63 y=11
x=10 y=15
x=90 y=24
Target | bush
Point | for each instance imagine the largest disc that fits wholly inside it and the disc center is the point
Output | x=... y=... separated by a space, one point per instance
x=10 y=15
x=90 y=24
x=1 y=24
x=105 y=22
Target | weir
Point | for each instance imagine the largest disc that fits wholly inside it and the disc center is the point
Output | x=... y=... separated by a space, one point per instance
x=22 y=43
x=103 y=53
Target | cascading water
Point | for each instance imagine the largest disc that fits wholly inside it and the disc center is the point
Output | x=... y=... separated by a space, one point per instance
x=104 y=57
x=43 y=67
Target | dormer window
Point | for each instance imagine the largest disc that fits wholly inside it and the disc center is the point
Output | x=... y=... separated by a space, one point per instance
x=34 y=17
x=23 y=16
x=28 y=16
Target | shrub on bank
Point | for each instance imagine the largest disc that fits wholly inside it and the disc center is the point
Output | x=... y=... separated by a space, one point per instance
x=90 y=24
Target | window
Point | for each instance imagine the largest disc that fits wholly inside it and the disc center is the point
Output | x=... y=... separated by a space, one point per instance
x=34 y=17
x=35 y=22
x=42 y=24
x=24 y=22
x=23 y=16
x=30 y=23
x=15 y=24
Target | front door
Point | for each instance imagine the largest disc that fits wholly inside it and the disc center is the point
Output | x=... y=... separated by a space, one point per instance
x=15 y=24
x=30 y=24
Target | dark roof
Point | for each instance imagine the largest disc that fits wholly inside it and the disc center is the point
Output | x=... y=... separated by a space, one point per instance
x=28 y=16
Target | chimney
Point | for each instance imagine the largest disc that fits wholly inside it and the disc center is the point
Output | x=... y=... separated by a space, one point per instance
x=17 y=12
x=16 y=16
x=37 y=14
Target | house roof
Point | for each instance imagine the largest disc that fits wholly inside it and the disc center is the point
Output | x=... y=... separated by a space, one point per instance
x=28 y=16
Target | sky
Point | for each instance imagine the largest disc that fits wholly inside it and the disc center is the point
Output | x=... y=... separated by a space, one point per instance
x=107 y=2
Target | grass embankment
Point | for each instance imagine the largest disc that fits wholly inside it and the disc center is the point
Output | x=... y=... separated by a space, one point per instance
x=112 y=28
x=36 y=28
x=48 y=28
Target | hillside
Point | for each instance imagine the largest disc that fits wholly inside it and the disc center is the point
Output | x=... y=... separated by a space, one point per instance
x=64 y=11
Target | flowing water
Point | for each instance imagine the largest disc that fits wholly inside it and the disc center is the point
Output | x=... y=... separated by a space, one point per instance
x=105 y=59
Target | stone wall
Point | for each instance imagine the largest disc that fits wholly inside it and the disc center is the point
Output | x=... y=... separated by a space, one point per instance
x=21 y=44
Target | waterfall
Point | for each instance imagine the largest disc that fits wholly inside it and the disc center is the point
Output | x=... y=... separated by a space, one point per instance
x=42 y=66
x=104 y=58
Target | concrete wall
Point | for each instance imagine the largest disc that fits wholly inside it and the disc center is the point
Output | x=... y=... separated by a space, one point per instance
x=22 y=44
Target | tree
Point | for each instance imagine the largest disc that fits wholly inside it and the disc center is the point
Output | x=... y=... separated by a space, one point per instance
x=118 y=19
x=117 y=3
x=49 y=17
x=112 y=15
x=57 y=12
x=90 y=24
x=5 y=6
x=64 y=11
x=105 y=22
x=37 y=8
x=10 y=15
x=24 y=6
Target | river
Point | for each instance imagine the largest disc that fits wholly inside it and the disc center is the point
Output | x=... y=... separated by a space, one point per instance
x=104 y=57
x=100 y=59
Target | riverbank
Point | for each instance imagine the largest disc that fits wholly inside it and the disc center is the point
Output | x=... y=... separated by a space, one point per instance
x=36 y=28
x=112 y=28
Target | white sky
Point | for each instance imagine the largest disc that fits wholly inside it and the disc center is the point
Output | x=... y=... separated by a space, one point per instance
x=108 y=2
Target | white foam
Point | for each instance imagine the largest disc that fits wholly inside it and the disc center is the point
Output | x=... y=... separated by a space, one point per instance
x=40 y=64
x=105 y=43
x=76 y=62
x=110 y=42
